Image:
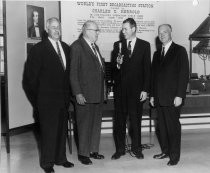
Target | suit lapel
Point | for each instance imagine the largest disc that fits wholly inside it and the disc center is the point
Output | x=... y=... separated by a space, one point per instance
x=90 y=52
x=102 y=61
x=124 y=49
x=51 y=48
x=135 y=47
x=66 y=54
x=168 y=53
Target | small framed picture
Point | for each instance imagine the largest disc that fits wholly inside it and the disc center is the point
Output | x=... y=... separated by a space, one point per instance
x=35 y=21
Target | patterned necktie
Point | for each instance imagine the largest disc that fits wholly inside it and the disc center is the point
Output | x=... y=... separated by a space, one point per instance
x=129 y=49
x=96 y=54
x=59 y=54
x=162 y=54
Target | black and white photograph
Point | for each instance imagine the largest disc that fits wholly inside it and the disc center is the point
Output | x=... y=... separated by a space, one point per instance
x=100 y=86
x=35 y=21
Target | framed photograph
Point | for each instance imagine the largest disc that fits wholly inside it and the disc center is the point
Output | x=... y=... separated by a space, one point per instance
x=35 y=21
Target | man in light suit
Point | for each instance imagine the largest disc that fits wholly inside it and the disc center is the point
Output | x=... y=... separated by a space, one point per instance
x=170 y=73
x=131 y=73
x=87 y=83
x=47 y=86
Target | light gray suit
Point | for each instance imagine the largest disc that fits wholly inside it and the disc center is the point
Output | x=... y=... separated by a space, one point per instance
x=87 y=78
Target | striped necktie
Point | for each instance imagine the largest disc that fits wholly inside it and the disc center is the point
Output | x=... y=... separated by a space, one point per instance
x=59 y=54
x=96 y=54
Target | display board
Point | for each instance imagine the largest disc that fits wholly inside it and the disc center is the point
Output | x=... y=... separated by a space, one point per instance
x=109 y=15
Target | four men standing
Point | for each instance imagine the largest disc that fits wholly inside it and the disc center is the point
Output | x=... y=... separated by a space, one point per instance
x=47 y=86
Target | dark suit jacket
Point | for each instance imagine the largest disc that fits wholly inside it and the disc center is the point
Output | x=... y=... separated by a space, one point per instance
x=135 y=71
x=170 y=76
x=32 y=32
x=45 y=82
x=86 y=75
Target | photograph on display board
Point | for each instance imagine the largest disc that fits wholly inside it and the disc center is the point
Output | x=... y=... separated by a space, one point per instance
x=35 y=21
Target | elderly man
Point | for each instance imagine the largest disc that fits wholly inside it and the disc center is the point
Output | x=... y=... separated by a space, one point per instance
x=87 y=83
x=170 y=73
x=47 y=86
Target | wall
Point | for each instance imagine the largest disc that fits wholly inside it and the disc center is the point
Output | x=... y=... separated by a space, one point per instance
x=181 y=14
x=183 y=17
x=110 y=15
x=20 y=111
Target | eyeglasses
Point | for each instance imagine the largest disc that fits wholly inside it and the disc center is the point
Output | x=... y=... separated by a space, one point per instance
x=96 y=30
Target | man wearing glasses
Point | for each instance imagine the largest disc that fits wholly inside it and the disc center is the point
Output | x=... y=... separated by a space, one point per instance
x=87 y=82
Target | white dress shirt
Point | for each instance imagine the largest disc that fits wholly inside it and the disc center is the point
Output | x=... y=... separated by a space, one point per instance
x=167 y=46
x=98 y=55
x=61 y=49
x=133 y=42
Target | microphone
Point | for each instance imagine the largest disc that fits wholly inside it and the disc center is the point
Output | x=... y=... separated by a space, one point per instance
x=120 y=56
x=120 y=47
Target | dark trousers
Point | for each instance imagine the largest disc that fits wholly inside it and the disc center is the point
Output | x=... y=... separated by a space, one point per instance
x=88 y=119
x=169 y=130
x=53 y=131
x=127 y=107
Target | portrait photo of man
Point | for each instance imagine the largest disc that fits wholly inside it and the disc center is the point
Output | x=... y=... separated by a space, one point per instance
x=35 y=21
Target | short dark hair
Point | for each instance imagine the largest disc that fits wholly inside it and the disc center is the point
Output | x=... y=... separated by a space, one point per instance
x=131 y=21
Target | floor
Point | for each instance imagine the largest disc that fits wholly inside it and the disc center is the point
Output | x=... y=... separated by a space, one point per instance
x=195 y=157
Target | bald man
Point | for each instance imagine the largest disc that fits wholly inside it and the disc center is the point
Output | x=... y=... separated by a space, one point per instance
x=170 y=74
x=87 y=83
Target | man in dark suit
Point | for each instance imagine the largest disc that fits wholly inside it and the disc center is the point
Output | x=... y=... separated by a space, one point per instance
x=47 y=86
x=35 y=30
x=170 y=73
x=131 y=71
x=87 y=83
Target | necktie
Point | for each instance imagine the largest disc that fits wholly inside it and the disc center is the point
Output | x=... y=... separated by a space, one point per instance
x=59 y=54
x=96 y=54
x=162 y=54
x=129 y=49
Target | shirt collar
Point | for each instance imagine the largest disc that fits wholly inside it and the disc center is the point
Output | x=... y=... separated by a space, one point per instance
x=88 y=42
x=133 y=41
x=167 y=45
x=53 y=41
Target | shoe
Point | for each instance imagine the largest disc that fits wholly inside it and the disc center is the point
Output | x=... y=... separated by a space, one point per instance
x=66 y=164
x=117 y=155
x=49 y=170
x=138 y=154
x=172 y=162
x=85 y=160
x=96 y=155
x=160 y=156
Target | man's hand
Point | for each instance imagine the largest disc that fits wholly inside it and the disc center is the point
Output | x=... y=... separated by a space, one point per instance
x=152 y=101
x=143 y=96
x=177 y=101
x=80 y=99
x=119 y=60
